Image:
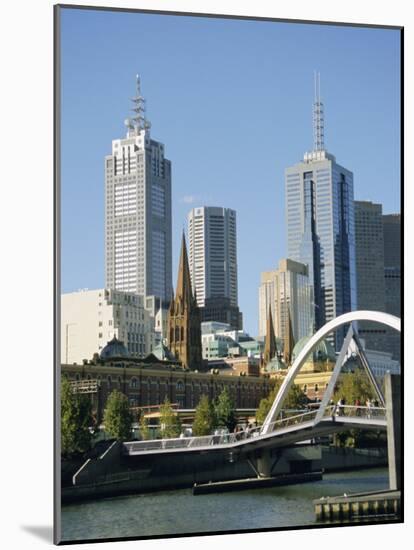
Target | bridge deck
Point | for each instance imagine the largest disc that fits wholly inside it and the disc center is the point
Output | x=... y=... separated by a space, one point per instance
x=285 y=432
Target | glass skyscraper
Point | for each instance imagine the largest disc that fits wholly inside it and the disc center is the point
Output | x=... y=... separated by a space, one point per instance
x=320 y=227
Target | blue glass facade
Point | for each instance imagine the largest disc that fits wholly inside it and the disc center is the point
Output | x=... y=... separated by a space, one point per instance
x=320 y=233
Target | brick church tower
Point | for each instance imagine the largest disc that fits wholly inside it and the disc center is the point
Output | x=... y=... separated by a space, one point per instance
x=184 y=320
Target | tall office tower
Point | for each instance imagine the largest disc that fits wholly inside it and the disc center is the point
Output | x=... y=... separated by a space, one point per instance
x=320 y=226
x=369 y=254
x=287 y=292
x=392 y=277
x=213 y=263
x=138 y=210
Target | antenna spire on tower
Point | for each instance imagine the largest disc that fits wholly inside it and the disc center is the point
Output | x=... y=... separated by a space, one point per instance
x=139 y=121
x=318 y=116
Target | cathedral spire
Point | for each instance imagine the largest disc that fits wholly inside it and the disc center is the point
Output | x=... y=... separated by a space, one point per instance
x=270 y=350
x=184 y=320
x=183 y=290
x=289 y=342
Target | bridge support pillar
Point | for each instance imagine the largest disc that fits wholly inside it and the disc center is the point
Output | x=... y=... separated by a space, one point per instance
x=264 y=464
x=393 y=413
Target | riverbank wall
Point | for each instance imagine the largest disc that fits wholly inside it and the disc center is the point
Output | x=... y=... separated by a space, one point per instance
x=115 y=474
x=338 y=459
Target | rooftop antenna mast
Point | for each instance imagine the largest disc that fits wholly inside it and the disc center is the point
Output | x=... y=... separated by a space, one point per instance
x=318 y=116
x=139 y=121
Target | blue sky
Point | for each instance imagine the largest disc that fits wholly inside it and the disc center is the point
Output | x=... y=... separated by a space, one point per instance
x=232 y=102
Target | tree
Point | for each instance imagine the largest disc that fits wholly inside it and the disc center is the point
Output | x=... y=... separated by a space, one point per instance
x=117 y=416
x=224 y=411
x=295 y=399
x=143 y=427
x=76 y=419
x=354 y=386
x=204 y=418
x=169 y=421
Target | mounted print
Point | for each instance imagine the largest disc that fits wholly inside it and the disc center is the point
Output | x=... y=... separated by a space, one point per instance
x=228 y=259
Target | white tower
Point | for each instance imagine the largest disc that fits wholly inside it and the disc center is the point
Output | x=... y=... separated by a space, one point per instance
x=138 y=246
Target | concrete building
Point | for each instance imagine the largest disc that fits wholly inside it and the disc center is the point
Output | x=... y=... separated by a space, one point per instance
x=392 y=277
x=138 y=246
x=287 y=289
x=369 y=253
x=159 y=313
x=220 y=340
x=90 y=318
x=320 y=227
x=213 y=263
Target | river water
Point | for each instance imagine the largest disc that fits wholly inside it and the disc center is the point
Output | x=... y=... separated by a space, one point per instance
x=176 y=512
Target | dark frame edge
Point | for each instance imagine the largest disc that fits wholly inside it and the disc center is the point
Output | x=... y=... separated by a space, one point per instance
x=227 y=16
x=57 y=535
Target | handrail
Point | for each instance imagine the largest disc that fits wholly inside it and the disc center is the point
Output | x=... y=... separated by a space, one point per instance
x=333 y=411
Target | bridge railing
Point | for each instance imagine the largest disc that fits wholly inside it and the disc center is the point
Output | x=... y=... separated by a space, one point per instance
x=355 y=411
x=219 y=438
x=285 y=421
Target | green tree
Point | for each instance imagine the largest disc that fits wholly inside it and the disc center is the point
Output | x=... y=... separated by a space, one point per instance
x=295 y=399
x=143 y=427
x=354 y=386
x=76 y=420
x=169 y=422
x=117 y=416
x=204 y=418
x=224 y=411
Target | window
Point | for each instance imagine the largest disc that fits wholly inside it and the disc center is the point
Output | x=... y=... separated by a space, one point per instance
x=100 y=323
x=134 y=383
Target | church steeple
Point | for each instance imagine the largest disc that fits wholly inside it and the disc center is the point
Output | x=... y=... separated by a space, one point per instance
x=183 y=289
x=184 y=321
x=270 y=350
x=289 y=341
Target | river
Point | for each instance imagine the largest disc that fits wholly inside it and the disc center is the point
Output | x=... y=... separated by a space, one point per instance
x=175 y=512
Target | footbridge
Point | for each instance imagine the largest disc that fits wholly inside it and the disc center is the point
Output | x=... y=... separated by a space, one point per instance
x=280 y=430
x=280 y=433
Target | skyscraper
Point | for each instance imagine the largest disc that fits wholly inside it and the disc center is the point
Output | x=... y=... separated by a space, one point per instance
x=288 y=293
x=392 y=277
x=369 y=245
x=213 y=263
x=138 y=210
x=320 y=225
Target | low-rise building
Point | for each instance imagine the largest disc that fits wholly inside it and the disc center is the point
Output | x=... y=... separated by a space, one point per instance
x=89 y=318
x=147 y=382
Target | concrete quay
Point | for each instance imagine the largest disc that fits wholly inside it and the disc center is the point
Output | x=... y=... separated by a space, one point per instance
x=359 y=507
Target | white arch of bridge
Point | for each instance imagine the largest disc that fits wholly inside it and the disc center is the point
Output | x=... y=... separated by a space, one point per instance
x=373 y=316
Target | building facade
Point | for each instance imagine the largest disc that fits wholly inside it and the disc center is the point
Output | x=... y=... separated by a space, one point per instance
x=148 y=385
x=287 y=291
x=369 y=242
x=392 y=277
x=213 y=263
x=320 y=227
x=90 y=318
x=138 y=245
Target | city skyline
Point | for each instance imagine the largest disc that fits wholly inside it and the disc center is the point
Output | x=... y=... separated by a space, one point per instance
x=239 y=157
